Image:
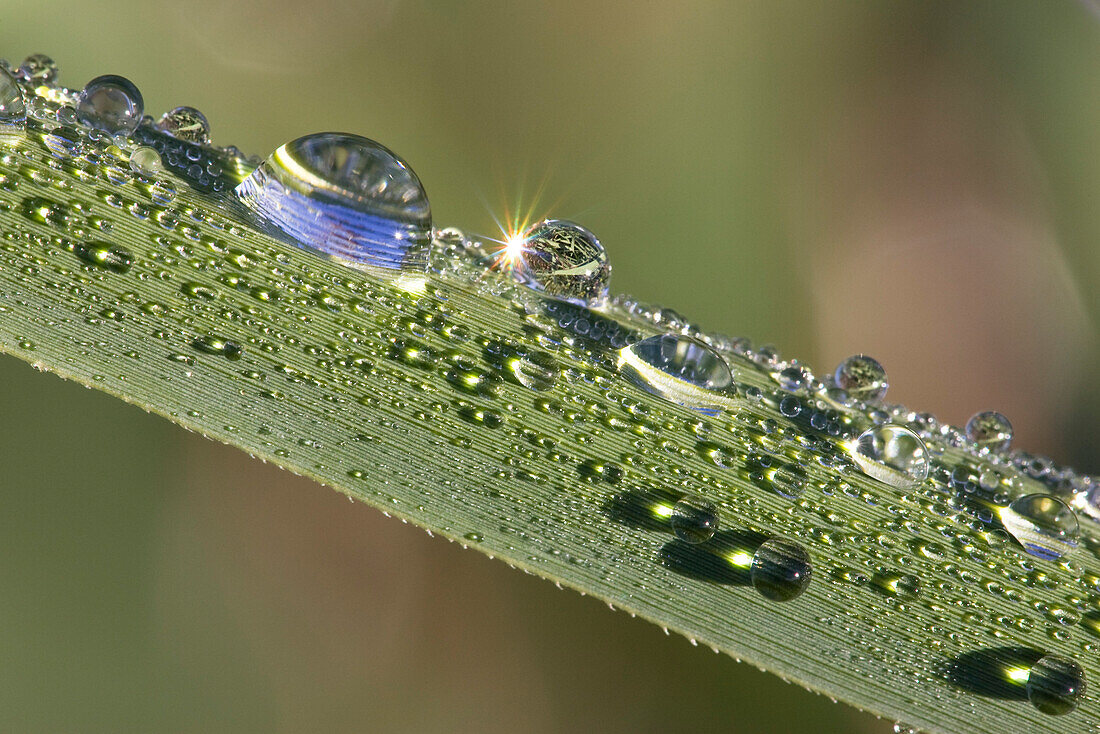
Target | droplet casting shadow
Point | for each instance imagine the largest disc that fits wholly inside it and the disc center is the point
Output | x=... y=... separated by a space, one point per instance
x=711 y=561
x=986 y=672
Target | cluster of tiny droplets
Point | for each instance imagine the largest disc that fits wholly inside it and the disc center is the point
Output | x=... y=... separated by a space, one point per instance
x=104 y=124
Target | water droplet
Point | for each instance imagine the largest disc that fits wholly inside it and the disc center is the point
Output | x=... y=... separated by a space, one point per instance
x=694 y=519
x=1045 y=526
x=39 y=69
x=346 y=196
x=146 y=161
x=185 y=123
x=211 y=344
x=563 y=260
x=13 y=110
x=990 y=430
x=537 y=374
x=680 y=369
x=1055 y=684
x=862 y=377
x=892 y=454
x=111 y=103
x=781 y=569
x=105 y=255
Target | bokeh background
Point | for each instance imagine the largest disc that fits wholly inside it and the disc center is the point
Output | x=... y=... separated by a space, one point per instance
x=913 y=180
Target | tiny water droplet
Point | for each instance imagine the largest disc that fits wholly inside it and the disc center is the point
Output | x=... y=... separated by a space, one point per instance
x=694 y=519
x=39 y=69
x=105 y=255
x=185 y=123
x=892 y=454
x=781 y=569
x=563 y=260
x=146 y=161
x=990 y=430
x=111 y=103
x=13 y=109
x=1044 y=525
x=1055 y=684
x=862 y=377
x=537 y=374
x=211 y=344
x=345 y=196
x=678 y=368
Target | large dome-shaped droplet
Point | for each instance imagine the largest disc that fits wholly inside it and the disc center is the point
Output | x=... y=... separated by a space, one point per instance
x=111 y=103
x=1045 y=526
x=680 y=369
x=346 y=196
x=1055 y=685
x=893 y=455
x=990 y=430
x=185 y=123
x=862 y=377
x=562 y=259
x=781 y=569
x=13 y=110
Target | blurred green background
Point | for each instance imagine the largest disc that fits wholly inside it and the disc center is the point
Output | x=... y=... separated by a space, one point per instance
x=914 y=180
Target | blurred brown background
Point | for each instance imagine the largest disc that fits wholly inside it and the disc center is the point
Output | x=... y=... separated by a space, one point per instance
x=914 y=180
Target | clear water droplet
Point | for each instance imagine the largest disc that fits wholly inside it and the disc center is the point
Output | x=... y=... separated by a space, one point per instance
x=146 y=161
x=39 y=69
x=892 y=454
x=537 y=374
x=563 y=260
x=13 y=109
x=185 y=123
x=781 y=569
x=111 y=103
x=1044 y=525
x=105 y=256
x=680 y=369
x=862 y=377
x=345 y=196
x=211 y=344
x=1055 y=684
x=694 y=519
x=990 y=430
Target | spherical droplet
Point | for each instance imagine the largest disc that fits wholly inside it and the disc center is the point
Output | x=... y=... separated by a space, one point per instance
x=781 y=569
x=694 y=519
x=345 y=196
x=862 y=377
x=677 y=368
x=1055 y=684
x=39 y=69
x=111 y=103
x=185 y=123
x=13 y=110
x=146 y=161
x=563 y=260
x=893 y=455
x=990 y=430
x=1044 y=525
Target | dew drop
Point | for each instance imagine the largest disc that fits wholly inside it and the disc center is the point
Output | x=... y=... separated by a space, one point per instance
x=694 y=519
x=39 y=69
x=862 y=377
x=563 y=260
x=185 y=123
x=678 y=368
x=990 y=430
x=105 y=255
x=211 y=344
x=13 y=110
x=146 y=161
x=537 y=374
x=892 y=454
x=111 y=103
x=1044 y=525
x=781 y=569
x=1055 y=684
x=345 y=196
